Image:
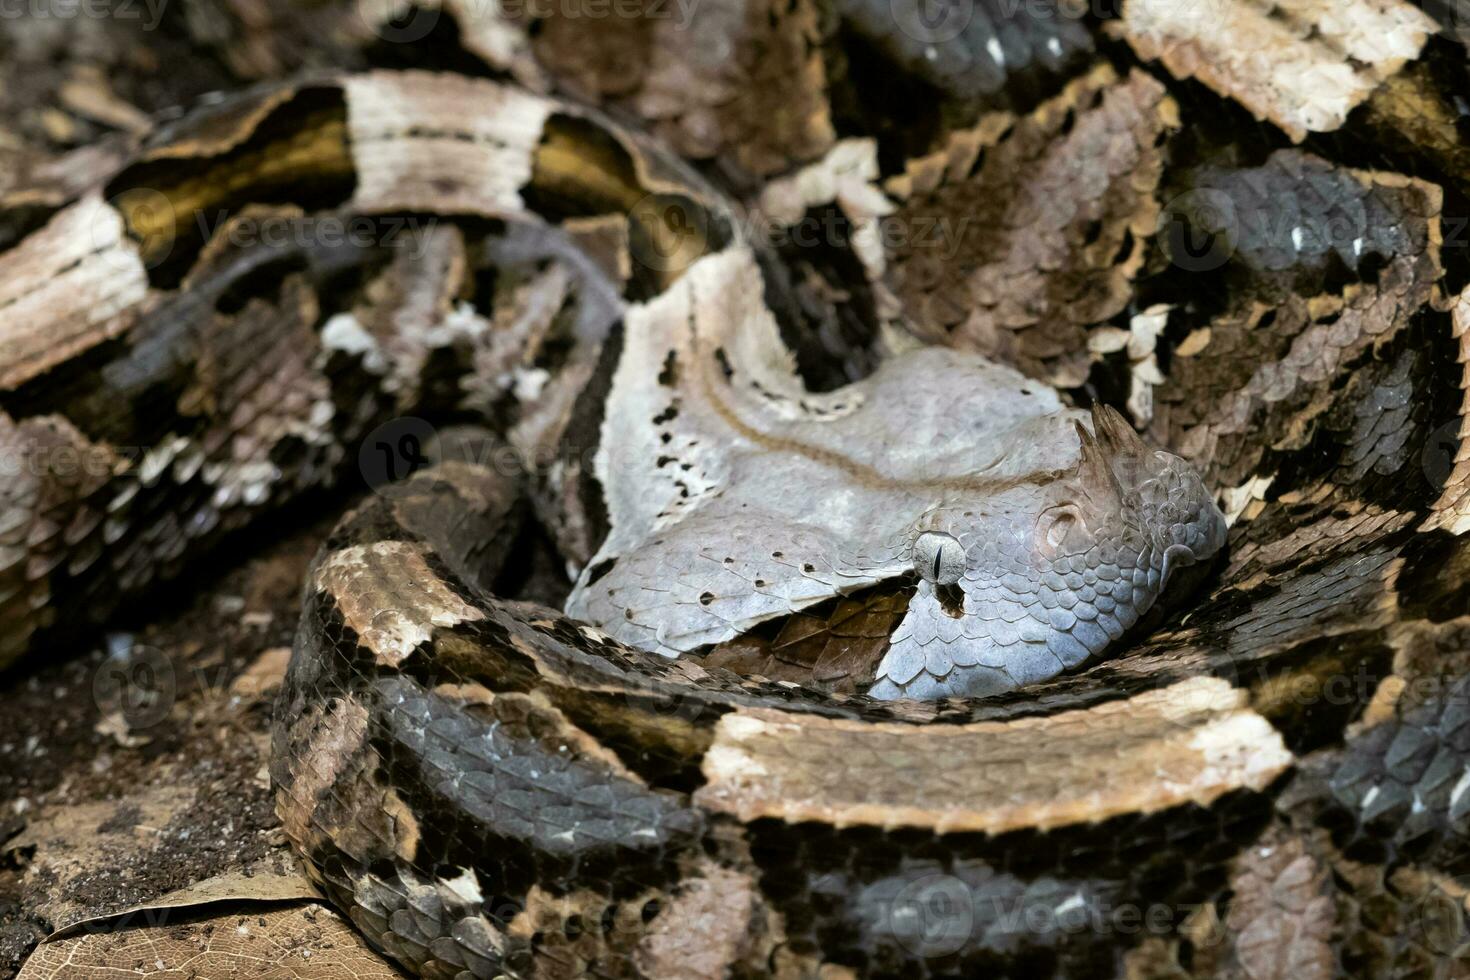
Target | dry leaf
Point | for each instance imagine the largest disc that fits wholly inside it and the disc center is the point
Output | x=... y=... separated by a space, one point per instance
x=847 y=177
x=835 y=645
x=301 y=942
x=270 y=883
x=90 y=861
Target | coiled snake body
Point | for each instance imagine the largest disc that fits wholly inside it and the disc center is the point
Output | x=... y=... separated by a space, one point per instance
x=489 y=787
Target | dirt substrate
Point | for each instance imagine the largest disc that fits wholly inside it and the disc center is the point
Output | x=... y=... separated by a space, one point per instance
x=135 y=765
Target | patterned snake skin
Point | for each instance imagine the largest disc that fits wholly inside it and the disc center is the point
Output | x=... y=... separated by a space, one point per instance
x=1044 y=778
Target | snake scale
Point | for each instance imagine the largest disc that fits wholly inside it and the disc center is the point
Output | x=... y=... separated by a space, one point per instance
x=1024 y=769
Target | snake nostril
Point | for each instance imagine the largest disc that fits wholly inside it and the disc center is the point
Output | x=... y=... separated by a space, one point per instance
x=939 y=558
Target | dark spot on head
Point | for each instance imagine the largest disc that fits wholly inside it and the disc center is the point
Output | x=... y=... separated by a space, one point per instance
x=724 y=361
x=808 y=567
x=664 y=461
x=777 y=554
x=667 y=415
x=669 y=376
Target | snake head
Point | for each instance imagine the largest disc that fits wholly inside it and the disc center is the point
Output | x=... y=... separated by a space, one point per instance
x=1050 y=576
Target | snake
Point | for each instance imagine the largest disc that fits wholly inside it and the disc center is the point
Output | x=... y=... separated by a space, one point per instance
x=1029 y=749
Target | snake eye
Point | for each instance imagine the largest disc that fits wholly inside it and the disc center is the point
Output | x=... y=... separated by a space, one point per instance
x=939 y=558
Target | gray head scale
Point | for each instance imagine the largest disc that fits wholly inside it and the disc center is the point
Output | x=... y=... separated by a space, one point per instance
x=1047 y=577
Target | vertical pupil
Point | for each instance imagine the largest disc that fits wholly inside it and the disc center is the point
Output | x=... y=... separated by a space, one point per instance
x=938 y=557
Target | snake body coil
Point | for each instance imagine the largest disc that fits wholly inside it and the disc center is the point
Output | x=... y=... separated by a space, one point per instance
x=489 y=787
